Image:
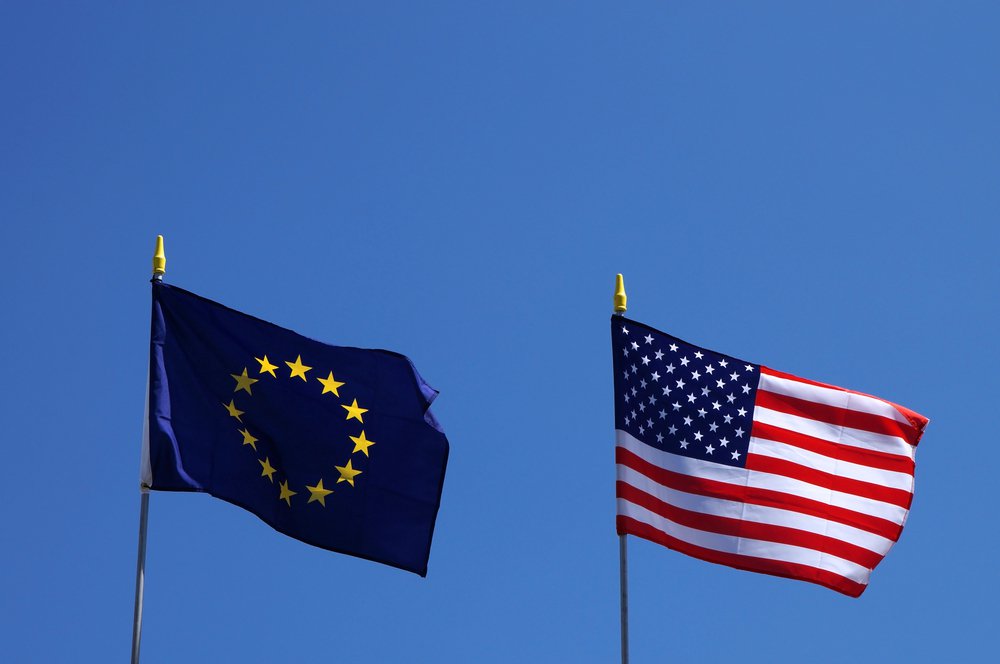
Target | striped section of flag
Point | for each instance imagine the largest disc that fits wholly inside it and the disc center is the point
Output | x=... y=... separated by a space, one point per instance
x=738 y=464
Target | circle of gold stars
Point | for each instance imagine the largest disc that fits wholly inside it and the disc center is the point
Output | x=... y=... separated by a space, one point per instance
x=347 y=473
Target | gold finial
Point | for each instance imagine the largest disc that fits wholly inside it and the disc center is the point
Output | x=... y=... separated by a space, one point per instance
x=159 y=259
x=620 y=297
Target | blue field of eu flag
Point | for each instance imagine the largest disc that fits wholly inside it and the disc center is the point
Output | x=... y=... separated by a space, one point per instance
x=333 y=446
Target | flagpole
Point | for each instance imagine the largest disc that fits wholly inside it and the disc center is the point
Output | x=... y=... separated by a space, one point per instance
x=140 y=574
x=620 y=300
x=159 y=269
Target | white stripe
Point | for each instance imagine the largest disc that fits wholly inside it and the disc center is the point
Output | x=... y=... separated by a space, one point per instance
x=145 y=472
x=755 y=513
x=745 y=546
x=854 y=471
x=759 y=480
x=866 y=440
x=862 y=403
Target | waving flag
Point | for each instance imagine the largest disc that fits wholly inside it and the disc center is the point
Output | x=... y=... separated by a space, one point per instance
x=333 y=446
x=738 y=464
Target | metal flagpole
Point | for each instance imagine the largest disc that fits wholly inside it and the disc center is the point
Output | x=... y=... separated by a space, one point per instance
x=159 y=269
x=140 y=575
x=619 y=302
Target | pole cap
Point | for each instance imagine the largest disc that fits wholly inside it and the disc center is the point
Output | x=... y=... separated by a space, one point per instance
x=159 y=259
x=620 y=297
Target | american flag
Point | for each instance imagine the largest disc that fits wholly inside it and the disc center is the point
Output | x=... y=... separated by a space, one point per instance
x=739 y=464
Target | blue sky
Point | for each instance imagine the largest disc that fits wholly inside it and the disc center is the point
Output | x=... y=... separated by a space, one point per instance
x=811 y=186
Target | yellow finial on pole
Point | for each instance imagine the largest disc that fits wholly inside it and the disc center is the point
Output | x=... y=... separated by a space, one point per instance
x=159 y=259
x=620 y=297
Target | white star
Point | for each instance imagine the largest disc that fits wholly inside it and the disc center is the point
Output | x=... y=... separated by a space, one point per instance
x=698 y=354
x=709 y=449
x=730 y=398
x=663 y=414
x=684 y=361
x=709 y=369
x=749 y=367
x=624 y=329
x=626 y=374
x=634 y=391
x=625 y=350
x=712 y=427
x=739 y=433
x=746 y=389
x=724 y=441
x=642 y=383
x=649 y=338
x=670 y=368
x=676 y=405
x=672 y=430
x=684 y=444
x=728 y=418
x=642 y=430
x=691 y=398
x=696 y=375
x=627 y=420
x=736 y=455
x=649 y=423
x=635 y=346
x=642 y=407
x=702 y=412
x=742 y=412
x=704 y=391
x=723 y=363
x=716 y=405
x=652 y=398
x=733 y=376
x=698 y=436
x=680 y=384
x=656 y=376
x=687 y=420
x=633 y=414
x=666 y=390
x=645 y=360
x=627 y=397
x=720 y=383
x=673 y=347
x=659 y=437
x=659 y=354
x=634 y=368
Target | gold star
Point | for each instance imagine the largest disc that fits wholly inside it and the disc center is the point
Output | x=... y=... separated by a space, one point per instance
x=354 y=411
x=243 y=382
x=330 y=385
x=248 y=439
x=347 y=473
x=268 y=469
x=361 y=443
x=286 y=493
x=318 y=493
x=234 y=411
x=298 y=369
x=266 y=366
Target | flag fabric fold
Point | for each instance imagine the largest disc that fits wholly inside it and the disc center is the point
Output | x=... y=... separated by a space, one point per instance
x=331 y=445
x=738 y=464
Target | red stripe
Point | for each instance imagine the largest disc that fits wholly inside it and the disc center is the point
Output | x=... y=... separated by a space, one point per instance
x=860 y=456
x=629 y=526
x=757 y=496
x=841 y=417
x=749 y=529
x=916 y=420
x=766 y=464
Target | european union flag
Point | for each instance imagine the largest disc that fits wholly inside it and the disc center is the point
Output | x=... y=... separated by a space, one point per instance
x=333 y=446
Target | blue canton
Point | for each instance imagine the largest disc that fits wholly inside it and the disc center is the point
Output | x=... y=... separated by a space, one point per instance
x=681 y=398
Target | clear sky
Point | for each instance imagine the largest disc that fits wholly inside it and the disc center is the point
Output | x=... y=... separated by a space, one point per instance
x=813 y=186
